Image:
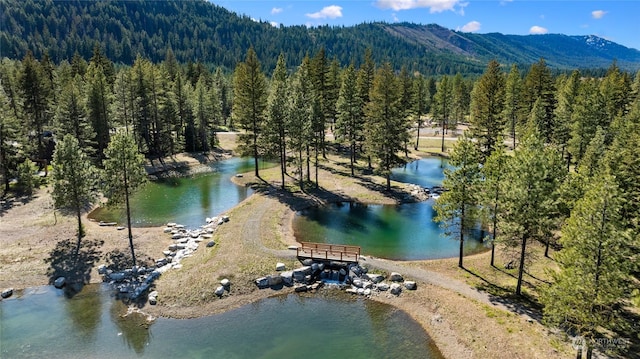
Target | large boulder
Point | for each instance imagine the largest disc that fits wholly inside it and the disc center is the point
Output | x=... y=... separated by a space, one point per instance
x=300 y=273
x=59 y=282
x=280 y=266
x=219 y=291
x=6 y=293
x=225 y=282
x=396 y=277
x=410 y=285
x=395 y=289
x=375 y=278
x=382 y=287
x=262 y=282
x=274 y=280
x=287 y=278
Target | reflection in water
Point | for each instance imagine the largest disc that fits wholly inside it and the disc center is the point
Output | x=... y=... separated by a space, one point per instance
x=134 y=328
x=327 y=324
x=85 y=311
x=404 y=232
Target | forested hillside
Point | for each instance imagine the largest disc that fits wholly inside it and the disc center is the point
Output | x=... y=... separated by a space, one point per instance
x=201 y=31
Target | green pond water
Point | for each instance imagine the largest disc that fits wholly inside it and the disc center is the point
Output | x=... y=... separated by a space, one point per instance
x=403 y=232
x=43 y=323
x=188 y=200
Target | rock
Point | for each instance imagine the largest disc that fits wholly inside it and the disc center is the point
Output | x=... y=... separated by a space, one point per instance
x=167 y=229
x=382 y=287
x=287 y=278
x=6 y=293
x=211 y=244
x=239 y=175
x=177 y=266
x=177 y=236
x=102 y=269
x=280 y=266
x=274 y=280
x=171 y=224
x=375 y=278
x=225 y=282
x=153 y=294
x=367 y=285
x=357 y=282
x=225 y=218
x=153 y=300
x=396 y=277
x=173 y=247
x=161 y=262
x=307 y=262
x=410 y=285
x=120 y=228
x=293 y=248
x=395 y=289
x=219 y=291
x=59 y=282
x=321 y=266
x=301 y=288
x=367 y=292
x=262 y=282
x=342 y=272
x=352 y=290
x=116 y=276
x=315 y=267
x=361 y=291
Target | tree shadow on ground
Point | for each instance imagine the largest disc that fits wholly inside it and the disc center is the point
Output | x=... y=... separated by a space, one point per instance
x=8 y=201
x=73 y=260
x=522 y=304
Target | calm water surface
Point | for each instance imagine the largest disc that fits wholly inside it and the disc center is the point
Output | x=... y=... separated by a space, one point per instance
x=43 y=323
x=404 y=232
x=187 y=201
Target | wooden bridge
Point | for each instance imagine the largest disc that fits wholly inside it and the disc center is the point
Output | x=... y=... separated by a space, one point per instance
x=333 y=252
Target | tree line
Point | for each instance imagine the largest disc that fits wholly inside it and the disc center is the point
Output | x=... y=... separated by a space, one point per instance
x=569 y=182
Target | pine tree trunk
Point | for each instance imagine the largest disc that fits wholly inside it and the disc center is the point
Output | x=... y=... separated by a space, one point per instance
x=462 y=219
x=521 y=268
x=418 y=137
x=579 y=353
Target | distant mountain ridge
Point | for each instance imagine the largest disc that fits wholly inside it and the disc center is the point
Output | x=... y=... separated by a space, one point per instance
x=198 y=30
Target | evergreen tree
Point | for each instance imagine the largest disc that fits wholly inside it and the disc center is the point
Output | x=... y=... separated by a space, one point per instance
x=514 y=111
x=349 y=126
x=275 y=127
x=588 y=114
x=98 y=101
x=123 y=174
x=73 y=179
x=9 y=136
x=487 y=106
x=539 y=86
x=420 y=104
x=594 y=265
x=386 y=129
x=250 y=102
x=441 y=108
x=568 y=92
x=203 y=113
x=36 y=102
x=493 y=187
x=460 y=100
x=71 y=116
x=528 y=210
x=457 y=207
x=300 y=113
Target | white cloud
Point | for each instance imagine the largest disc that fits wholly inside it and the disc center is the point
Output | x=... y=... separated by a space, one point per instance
x=330 y=12
x=537 y=30
x=470 y=27
x=274 y=24
x=433 y=5
x=598 y=14
x=276 y=10
x=395 y=18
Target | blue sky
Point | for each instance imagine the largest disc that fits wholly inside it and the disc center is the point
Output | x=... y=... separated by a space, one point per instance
x=618 y=21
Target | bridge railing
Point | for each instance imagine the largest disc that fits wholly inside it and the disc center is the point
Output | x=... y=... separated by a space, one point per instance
x=325 y=251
